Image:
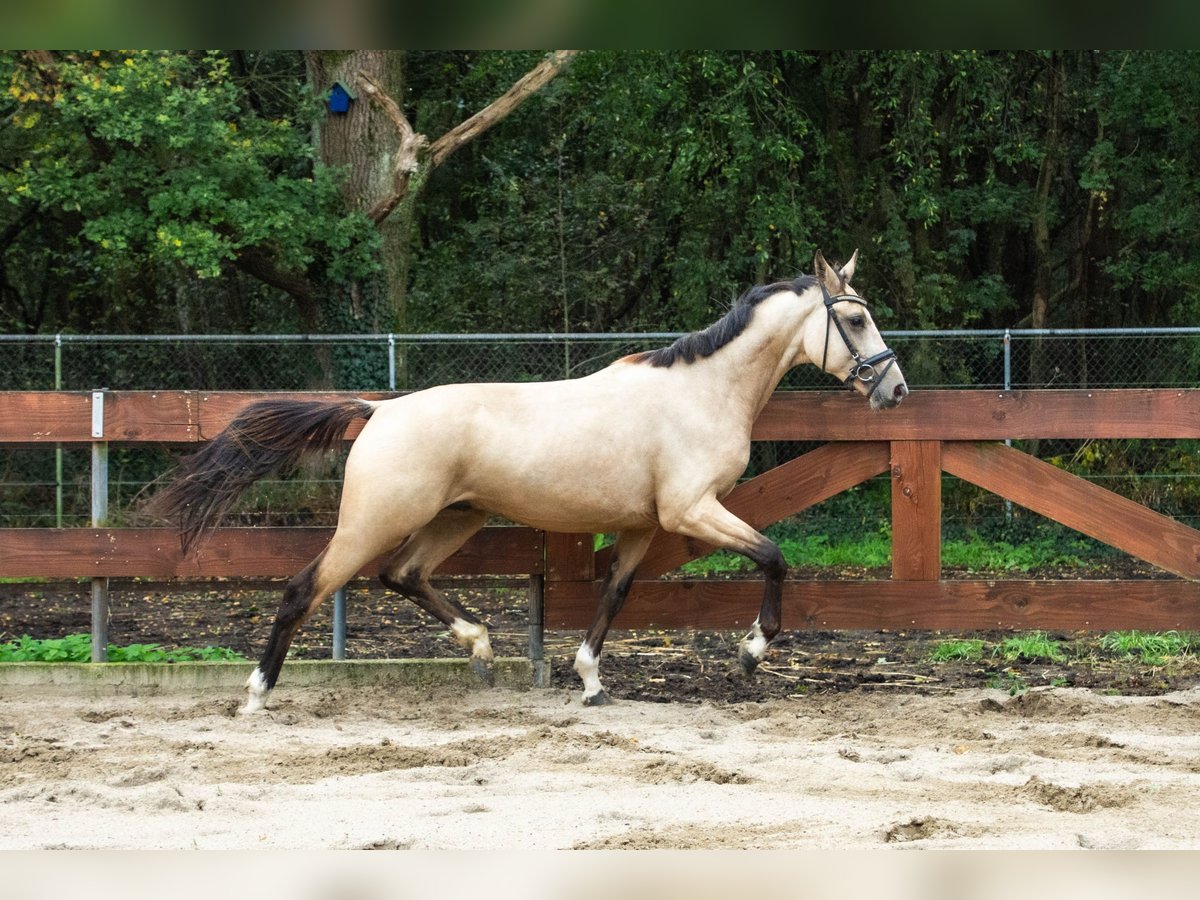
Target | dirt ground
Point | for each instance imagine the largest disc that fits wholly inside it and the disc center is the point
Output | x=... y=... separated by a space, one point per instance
x=499 y=769
x=844 y=740
x=648 y=665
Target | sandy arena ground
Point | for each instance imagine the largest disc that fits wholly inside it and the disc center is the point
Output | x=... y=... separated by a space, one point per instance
x=1052 y=768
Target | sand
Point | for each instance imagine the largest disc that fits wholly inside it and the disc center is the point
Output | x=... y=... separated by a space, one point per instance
x=497 y=770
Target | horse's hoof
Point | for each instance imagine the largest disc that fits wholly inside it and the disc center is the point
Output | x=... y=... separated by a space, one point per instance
x=254 y=705
x=748 y=661
x=484 y=670
x=600 y=699
x=256 y=694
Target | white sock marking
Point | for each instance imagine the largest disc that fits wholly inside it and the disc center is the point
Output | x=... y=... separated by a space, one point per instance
x=755 y=643
x=588 y=668
x=256 y=688
x=473 y=637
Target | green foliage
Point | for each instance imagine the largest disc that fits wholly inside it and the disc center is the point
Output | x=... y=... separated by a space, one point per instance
x=816 y=550
x=1034 y=646
x=1153 y=649
x=846 y=534
x=649 y=188
x=78 y=648
x=638 y=190
x=977 y=555
x=157 y=163
x=72 y=648
x=636 y=196
x=1009 y=681
x=958 y=649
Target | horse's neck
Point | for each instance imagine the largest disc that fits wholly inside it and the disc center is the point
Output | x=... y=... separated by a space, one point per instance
x=748 y=369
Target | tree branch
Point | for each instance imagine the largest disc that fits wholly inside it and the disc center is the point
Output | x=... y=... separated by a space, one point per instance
x=17 y=225
x=413 y=146
x=532 y=82
x=392 y=110
x=263 y=265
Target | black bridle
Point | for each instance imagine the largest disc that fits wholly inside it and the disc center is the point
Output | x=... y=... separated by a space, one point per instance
x=863 y=370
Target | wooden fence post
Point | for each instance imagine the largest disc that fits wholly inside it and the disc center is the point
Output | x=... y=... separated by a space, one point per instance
x=916 y=510
x=537 y=631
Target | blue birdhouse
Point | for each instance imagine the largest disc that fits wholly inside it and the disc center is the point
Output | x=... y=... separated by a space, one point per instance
x=339 y=98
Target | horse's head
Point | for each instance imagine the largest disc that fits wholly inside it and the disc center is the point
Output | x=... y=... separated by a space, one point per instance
x=842 y=335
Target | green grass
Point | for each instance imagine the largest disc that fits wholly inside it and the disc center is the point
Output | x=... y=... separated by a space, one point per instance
x=873 y=549
x=1031 y=647
x=78 y=648
x=1152 y=649
x=957 y=650
x=975 y=554
x=814 y=550
x=1008 y=681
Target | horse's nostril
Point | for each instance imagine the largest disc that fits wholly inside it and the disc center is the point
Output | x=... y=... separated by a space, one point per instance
x=901 y=391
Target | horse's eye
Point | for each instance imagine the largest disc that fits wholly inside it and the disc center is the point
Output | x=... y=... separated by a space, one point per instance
x=857 y=321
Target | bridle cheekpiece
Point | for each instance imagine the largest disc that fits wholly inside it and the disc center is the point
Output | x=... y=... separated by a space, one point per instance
x=863 y=370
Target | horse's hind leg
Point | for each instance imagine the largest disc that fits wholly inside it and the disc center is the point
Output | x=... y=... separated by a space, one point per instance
x=337 y=564
x=407 y=573
x=631 y=546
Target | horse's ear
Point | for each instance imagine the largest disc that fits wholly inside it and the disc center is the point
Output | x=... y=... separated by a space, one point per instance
x=826 y=274
x=847 y=271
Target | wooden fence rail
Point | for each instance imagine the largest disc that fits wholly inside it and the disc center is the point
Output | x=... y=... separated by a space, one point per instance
x=933 y=432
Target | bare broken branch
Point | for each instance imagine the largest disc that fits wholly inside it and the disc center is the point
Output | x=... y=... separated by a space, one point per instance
x=532 y=82
x=411 y=143
x=415 y=149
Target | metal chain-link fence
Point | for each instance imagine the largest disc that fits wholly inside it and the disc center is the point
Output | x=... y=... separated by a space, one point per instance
x=1152 y=357
x=42 y=488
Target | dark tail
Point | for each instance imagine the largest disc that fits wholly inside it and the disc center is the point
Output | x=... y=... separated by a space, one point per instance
x=267 y=436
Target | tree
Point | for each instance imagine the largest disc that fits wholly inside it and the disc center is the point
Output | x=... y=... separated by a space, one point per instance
x=387 y=161
x=159 y=168
x=643 y=190
x=150 y=168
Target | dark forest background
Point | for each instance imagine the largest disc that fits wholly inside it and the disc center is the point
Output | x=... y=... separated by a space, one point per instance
x=151 y=192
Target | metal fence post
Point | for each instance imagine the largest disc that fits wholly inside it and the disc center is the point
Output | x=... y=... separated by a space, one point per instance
x=391 y=345
x=58 y=452
x=1007 y=359
x=339 y=623
x=99 y=520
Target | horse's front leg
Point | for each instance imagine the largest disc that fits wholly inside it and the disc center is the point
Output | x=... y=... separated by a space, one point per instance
x=712 y=523
x=630 y=547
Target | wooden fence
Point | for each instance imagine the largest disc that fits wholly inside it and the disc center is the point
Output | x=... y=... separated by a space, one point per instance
x=958 y=432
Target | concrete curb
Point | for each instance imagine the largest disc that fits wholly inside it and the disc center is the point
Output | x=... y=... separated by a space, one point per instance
x=151 y=679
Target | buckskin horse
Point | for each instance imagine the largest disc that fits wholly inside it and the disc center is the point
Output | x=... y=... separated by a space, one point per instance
x=655 y=440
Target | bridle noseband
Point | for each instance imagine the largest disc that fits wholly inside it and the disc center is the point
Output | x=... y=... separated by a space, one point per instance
x=863 y=369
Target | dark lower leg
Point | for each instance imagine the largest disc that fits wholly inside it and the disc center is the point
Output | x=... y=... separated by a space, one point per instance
x=298 y=600
x=629 y=552
x=467 y=629
x=769 y=559
x=407 y=573
x=587 y=660
x=429 y=598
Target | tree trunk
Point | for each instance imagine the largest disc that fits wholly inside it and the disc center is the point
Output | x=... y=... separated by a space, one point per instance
x=1039 y=370
x=364 y=142
x=1040 y=374
x=388 y=163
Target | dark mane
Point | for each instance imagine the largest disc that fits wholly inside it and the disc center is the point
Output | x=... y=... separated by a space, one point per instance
x=700 y=344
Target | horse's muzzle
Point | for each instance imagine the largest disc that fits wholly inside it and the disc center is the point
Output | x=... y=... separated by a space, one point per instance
x=884 y=399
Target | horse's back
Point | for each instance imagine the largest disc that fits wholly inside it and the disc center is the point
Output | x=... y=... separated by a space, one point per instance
x=561 y=455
